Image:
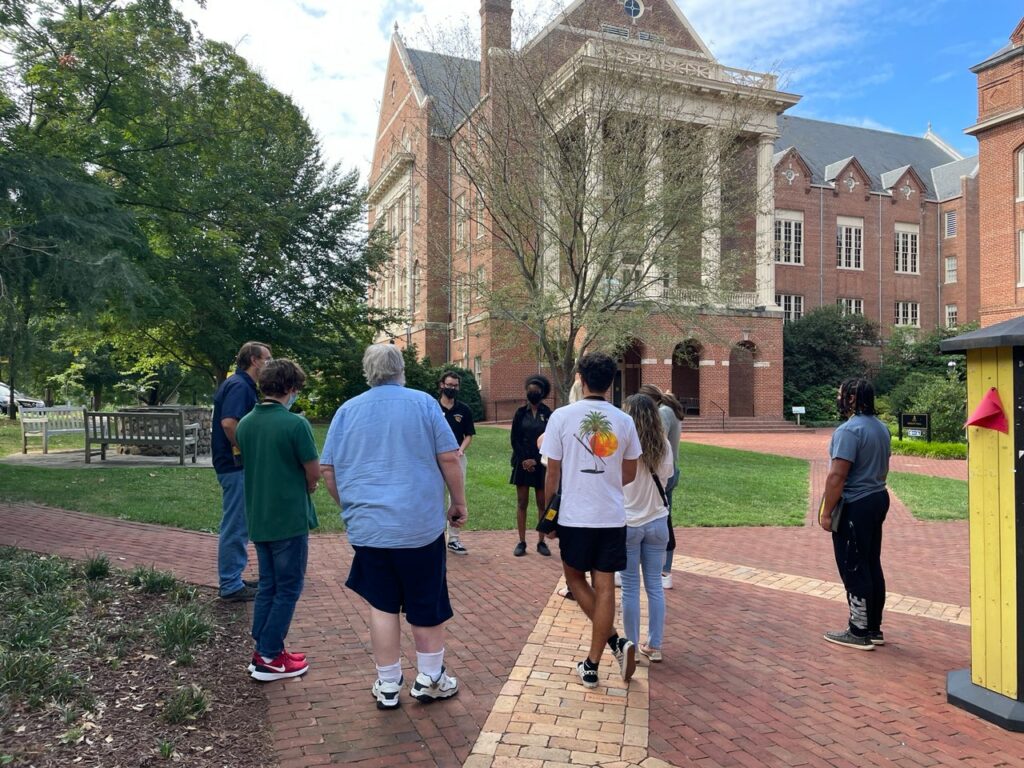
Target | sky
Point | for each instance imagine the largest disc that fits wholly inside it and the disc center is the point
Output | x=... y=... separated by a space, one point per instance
x=892 y=66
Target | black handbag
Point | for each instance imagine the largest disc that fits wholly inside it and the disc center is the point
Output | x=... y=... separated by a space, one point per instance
x=549 y=520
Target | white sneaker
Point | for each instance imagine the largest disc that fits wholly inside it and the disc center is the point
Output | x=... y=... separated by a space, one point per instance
x=456 y=548
x=387 y=694
x=427 y=690
x=618 y=578
x=666 y=581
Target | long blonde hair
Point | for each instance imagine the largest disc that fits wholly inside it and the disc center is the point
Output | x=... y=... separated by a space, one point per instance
x=648 y=426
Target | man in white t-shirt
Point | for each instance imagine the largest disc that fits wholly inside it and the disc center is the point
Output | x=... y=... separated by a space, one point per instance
x=592 y=450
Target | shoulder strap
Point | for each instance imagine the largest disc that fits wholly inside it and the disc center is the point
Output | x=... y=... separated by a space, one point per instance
x=661 y=491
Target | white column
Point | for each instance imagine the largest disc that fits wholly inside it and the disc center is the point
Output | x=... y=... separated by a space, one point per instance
x=711 y=215
x=765 y=222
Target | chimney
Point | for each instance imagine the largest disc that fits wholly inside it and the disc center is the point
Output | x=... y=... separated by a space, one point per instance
x=495 y=32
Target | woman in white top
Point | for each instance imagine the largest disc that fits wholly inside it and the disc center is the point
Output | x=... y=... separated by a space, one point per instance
x=646 y=529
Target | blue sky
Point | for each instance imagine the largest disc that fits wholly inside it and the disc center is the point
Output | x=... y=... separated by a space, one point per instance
x=886 y=64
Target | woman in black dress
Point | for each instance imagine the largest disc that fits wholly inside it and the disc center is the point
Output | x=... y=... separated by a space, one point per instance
x=528 y=424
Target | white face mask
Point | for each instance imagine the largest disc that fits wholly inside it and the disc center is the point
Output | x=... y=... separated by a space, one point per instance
x=291 y=400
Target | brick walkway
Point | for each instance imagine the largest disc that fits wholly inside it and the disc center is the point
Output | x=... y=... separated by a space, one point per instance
x=746 y=680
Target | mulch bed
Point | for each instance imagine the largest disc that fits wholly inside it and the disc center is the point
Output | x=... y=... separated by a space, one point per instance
x=111 y=646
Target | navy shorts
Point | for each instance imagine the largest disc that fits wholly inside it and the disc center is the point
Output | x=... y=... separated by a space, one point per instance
x=593 y=549
x=410 y=581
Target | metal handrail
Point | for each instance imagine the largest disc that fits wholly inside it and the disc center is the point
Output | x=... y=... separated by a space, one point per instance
x=722 y=410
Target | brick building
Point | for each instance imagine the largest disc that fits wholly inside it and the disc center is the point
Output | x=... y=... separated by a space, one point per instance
x=1000 y=134
x=881 y=224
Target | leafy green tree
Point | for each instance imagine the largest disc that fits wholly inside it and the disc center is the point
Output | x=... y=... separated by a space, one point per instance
x=909 y=352
x=945 y=398
x=820 y=350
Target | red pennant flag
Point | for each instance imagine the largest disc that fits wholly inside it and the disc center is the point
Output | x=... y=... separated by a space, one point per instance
x=989 y=413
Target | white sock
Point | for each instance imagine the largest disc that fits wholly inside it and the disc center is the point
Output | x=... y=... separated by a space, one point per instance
x=430 y=664
x=267 y=659
x=392 y=673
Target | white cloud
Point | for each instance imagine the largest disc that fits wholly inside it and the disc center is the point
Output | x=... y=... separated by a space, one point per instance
x=330 y=55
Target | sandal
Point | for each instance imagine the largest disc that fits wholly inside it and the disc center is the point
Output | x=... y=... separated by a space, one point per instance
x=566 y=593
x=654 y=654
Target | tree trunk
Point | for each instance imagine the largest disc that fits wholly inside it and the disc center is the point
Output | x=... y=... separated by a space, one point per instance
x=97 y=397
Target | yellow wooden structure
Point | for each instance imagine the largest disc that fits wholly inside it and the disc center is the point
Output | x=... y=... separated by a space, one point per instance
x=993 y=687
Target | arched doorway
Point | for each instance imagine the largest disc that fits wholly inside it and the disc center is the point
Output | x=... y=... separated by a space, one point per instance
x=686 y=374
x=741 y=379
x=627 y=378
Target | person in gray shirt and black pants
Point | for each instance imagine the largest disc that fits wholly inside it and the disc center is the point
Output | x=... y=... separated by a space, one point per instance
x=859 y=453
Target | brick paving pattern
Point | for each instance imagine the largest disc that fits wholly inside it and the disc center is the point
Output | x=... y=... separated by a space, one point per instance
x=746 y=680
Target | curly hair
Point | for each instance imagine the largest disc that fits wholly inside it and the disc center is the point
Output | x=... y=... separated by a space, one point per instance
x=281 y=376
x=648 y=426
x=541 y=382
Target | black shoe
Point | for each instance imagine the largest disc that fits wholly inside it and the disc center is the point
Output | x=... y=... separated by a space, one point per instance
x=625 y=654
x=850 y=640
x=242 y=595
x=254 y=583
x=542 y=548
x=587 y=676
x=876 y=638
x=520 y=549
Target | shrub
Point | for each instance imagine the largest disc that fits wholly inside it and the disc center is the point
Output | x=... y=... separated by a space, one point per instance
x=945 y=398
x=931 y=450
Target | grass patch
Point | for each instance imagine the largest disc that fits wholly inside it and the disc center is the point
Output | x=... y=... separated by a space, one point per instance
x=930 y=498
x=722 y=487
x=151 y=581
x=719 y=487
x=180 y=630
x=97 y=567
x=189 y=702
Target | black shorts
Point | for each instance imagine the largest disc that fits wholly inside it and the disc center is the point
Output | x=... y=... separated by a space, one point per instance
x=593 y=549
x=411 y=581
x=535 y=479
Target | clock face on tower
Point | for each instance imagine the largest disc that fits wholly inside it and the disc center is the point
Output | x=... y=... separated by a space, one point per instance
x=633 y=8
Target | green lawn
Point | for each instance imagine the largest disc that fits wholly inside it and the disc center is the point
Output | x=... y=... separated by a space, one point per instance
x=719 y=487
x=931 y=498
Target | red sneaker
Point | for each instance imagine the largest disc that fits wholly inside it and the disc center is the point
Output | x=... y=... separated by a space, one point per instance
x=281 y=667
x=257 y=660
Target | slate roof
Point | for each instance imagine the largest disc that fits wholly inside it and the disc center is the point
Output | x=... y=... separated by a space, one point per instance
x=946 y=178
x=822 y=145
x=454 y=83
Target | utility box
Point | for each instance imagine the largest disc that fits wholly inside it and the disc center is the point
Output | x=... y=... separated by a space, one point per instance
x=993 y=687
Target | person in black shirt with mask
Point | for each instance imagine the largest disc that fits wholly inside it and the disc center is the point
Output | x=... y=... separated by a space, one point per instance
x=528 y=424
x=460 y=419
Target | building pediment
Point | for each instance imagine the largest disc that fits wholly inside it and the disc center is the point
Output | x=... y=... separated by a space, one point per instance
x=790 y=168
x=903 y=183
x=848 y=175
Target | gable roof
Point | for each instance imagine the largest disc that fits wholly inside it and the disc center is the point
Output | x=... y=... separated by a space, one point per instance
x=452 y=82
x=946 y=178
x=826 y=147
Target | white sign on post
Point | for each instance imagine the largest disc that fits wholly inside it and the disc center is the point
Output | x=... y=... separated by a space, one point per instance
x=798 y=410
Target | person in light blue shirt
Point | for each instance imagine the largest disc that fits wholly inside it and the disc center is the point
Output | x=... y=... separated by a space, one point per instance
x=388 y=456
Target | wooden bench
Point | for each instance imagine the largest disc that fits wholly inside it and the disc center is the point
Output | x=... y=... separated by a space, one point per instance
x=43 y=422
x=154 y=428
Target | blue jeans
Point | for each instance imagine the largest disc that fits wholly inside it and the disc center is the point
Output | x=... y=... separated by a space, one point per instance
x=234 y=533
x=672 y=483
x=282 y=574
x=645 y=546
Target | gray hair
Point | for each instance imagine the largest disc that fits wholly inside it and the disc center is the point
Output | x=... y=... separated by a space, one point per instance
x=383 y=364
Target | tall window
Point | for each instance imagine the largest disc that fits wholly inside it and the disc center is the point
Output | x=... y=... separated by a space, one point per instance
x=789 y=237
x=481 y=276
x=792 y=306
x=400 y=209
x=905 y=248
x=851 y=306
x=951 y=315
x=949 y=223
x=414 y=304
x=416 y=203
x=479 y=215
x=849 y=242
x=478 y=370
x=1020 y=258
x=460 y=222
x=951 y=269
x=460 y=307
x=907 y=313
x=1020 y=173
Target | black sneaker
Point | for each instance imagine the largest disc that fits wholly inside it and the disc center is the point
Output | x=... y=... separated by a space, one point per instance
x=242 y=595
x=587 y=676
x=251 y=582
x=850 y=640
x=520 y=549
x=625 y=654
x=387 y=694
x=427 y=690
x=876 y=638
x=542 y=548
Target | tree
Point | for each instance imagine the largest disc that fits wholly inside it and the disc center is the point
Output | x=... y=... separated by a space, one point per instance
x=610 y=200
x=256 y=235
x=820 y=350
x=910 y=351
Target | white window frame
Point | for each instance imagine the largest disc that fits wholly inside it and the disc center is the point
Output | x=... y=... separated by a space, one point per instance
x=479 y=215
x=908 y=314
x=850 y=306
x=460 y=307
x=951 y=274
x=949 y=224
x=951 y=316
x=415 y=301
x=789 y=237
x=460 y=222
x=1020 y=175
x=1020 y=258
x=906 y=249
x=792 y=306
x=849 y=243
x=416 y=203
x=478 y=370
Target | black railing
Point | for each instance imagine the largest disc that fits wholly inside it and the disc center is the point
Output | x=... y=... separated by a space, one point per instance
x=722 y=411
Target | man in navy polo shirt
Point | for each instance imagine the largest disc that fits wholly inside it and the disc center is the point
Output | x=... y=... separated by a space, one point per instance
x=234 y=399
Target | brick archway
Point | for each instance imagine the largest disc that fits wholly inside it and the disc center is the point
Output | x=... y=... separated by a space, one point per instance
x=741 y=379
x=686 y=374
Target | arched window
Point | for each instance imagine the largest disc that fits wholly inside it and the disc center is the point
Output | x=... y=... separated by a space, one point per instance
x=1020 y=174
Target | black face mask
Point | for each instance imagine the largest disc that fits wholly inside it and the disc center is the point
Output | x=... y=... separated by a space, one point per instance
x=534 y=397
x=450 y=392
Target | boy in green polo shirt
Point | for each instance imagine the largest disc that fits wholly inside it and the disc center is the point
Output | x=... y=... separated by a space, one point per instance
x=282 y=470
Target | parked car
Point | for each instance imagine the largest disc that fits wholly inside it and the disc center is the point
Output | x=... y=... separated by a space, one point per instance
x=23 y=401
